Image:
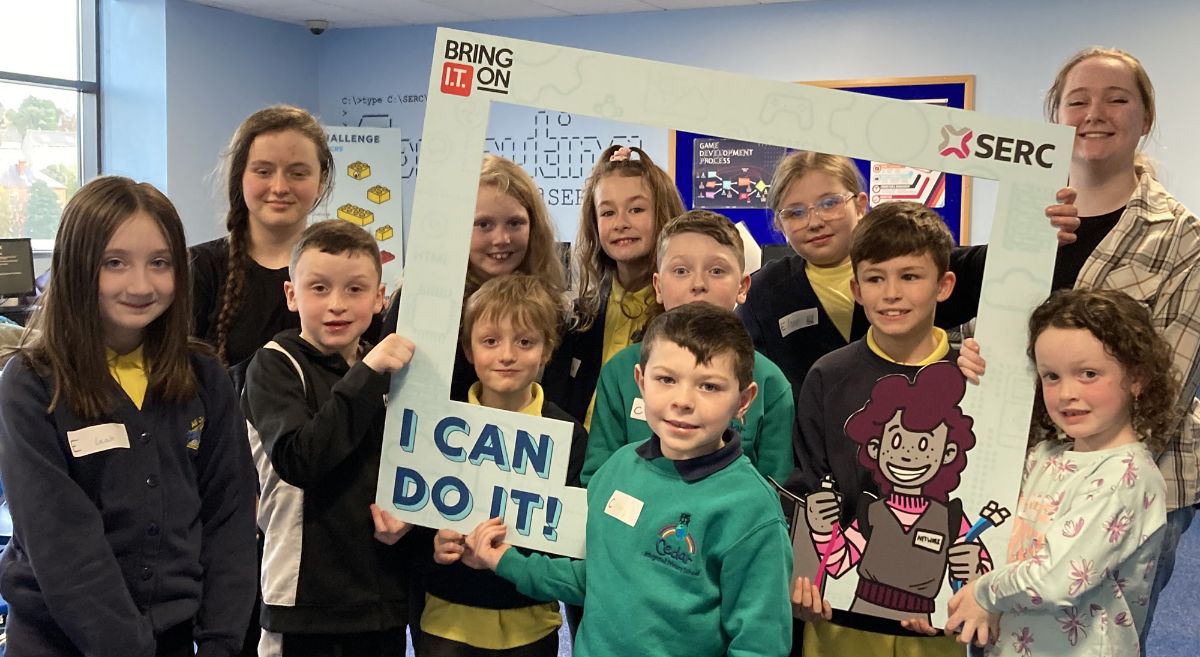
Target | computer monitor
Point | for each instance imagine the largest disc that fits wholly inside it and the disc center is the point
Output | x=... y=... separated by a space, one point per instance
x=16 y=267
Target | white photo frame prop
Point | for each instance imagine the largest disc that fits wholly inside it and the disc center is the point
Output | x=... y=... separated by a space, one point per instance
x=470 y=71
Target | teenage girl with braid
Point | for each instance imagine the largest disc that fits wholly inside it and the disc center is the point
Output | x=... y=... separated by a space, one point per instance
x=277 y=169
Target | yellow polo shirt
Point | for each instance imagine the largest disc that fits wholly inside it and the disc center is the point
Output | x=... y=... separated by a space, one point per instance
x=492 y=629
x=130 y=372
x=832 y=286
x=624 y=317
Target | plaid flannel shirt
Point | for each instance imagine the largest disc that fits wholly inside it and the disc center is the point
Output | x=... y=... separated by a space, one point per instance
x=1153 y=255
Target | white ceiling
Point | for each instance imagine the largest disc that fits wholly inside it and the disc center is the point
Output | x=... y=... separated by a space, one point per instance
x=378 y=13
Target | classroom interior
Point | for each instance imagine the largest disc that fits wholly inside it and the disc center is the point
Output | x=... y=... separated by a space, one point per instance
x=176 y=77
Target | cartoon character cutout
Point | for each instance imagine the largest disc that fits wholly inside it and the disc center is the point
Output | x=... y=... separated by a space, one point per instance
x=913 y=439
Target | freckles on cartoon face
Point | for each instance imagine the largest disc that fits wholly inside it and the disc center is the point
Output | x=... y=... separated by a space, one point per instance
x=910 y=459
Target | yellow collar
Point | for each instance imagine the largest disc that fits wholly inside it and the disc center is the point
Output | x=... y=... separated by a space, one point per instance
x=131 y=360
x=534 y=407
x=939 y=351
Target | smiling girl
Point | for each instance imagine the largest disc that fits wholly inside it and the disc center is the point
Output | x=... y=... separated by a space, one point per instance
x=124 y=457
x=1137 y=238
x=627 y=199
x=1091 y=518
x=511 y=233
x=278 y=168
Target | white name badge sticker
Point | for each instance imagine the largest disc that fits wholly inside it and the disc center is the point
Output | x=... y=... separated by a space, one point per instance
x=792 y=322
x=97 y=438
x=623 y=507
x=638 y=410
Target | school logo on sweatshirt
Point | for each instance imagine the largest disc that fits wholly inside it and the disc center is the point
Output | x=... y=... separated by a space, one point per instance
x=193 y=434
x=675 y=546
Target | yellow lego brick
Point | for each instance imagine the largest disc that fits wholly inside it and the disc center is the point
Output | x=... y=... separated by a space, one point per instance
x=355 y=215
x=358 y=170
x=379 y=194
x=384 y=233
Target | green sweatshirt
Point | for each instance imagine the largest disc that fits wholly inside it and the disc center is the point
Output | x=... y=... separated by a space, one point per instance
x=618 y=418
x=684 y=558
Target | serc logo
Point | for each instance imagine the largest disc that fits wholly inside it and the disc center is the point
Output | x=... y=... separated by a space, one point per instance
x=963 y=143
x=956 y=142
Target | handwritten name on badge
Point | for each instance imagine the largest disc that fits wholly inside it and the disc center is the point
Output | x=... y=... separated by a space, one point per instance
x=97 y=438
x=638 y=410
x=623 y=507
x=792 y=322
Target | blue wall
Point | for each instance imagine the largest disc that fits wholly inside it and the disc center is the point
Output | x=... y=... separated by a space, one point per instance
x=1013 y=49
x=177 y=79
x=133 y=104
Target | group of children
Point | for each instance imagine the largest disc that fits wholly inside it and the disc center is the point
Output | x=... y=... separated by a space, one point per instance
x=132 y=432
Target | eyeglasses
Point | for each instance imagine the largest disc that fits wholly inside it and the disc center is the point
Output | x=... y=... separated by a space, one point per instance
x=829 y=207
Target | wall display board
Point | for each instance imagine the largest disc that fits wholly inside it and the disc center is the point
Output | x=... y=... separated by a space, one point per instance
x=368 y=167
x=450 y=464
x=733 y=177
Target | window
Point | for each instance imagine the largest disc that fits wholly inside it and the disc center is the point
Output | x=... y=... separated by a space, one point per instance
x=48 y=113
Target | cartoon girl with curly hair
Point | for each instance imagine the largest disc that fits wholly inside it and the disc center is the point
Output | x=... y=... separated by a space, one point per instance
x=913 y=439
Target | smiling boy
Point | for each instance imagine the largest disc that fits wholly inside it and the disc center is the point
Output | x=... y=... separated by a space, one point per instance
x=509 y=331
x=900 y=253
x=328 y=585
x=687 y=547
x=700 y=259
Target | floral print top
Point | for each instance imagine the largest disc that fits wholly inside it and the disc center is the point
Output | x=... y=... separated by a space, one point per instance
x=1082 y=555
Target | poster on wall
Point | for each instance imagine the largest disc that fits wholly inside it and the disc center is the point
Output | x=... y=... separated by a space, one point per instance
x=896 y=182
x=366 y=192
x=729 y=173
x=947 y=192
x=451 y=464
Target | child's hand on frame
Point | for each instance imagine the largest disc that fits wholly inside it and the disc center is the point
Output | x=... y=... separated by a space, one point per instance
x=448 y=546
x=1064 y=216
x=391 y=354
x=807 y=601
x=486 y=545
x=970 y=363
x=919 y=625
x=388 y=530
x=973 y=623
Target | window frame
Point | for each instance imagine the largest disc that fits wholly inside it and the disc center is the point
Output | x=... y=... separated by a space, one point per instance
x=87 y=86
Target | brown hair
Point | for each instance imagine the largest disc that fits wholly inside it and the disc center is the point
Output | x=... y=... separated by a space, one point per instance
x=525 y=300
x=541 y=256
x=901 y=228
x=707 y=332
x=704 y=222
x=336 y=237
x=592 y=263
x=1145 y=89
x=1124 y=327
x=277 y=118
x=798 y=163
x=65 y=339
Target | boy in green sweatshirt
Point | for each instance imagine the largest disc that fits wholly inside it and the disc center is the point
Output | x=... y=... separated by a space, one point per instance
x=700 y=258
x=687 y=551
